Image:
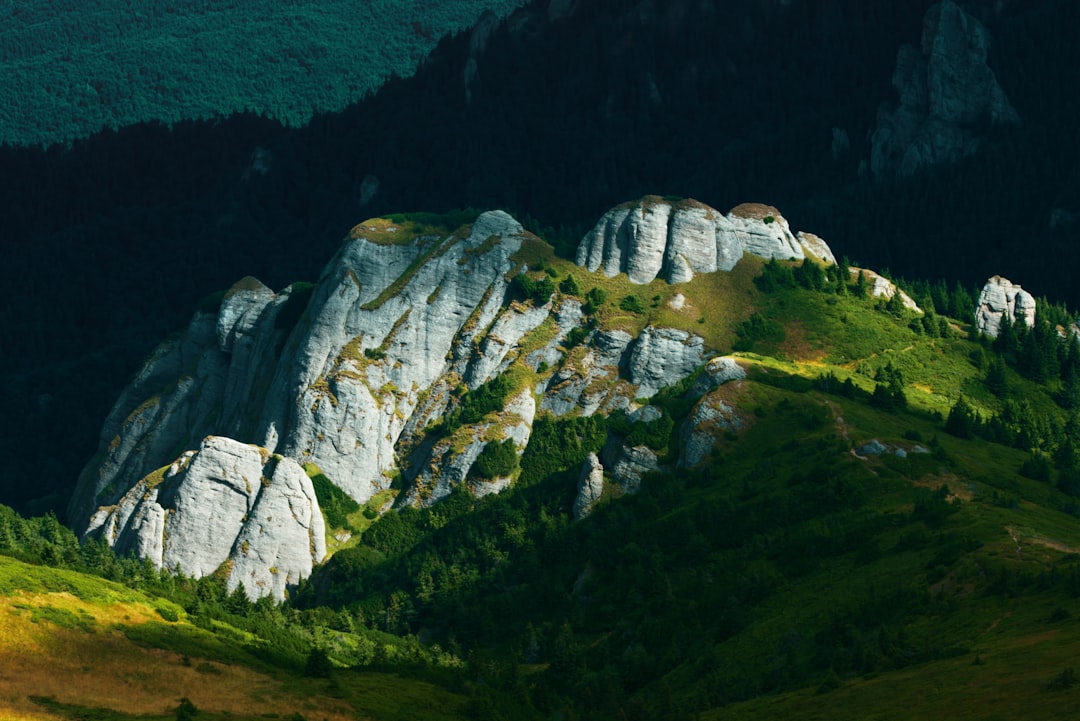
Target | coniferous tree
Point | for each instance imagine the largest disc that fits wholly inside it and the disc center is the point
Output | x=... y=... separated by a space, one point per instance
x=963 y=421
x=961 y=305
x=995 y=380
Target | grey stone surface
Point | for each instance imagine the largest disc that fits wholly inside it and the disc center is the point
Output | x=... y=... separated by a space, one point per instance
x=590 y=487
x=230 y=506
x=999 y=297
x=654 y=237
x=661 y=357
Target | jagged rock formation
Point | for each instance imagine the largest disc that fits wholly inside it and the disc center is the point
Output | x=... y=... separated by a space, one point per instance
x=590 y=487
x=357 y=374
x=945 y=88
x=713 y=415
x=227 y=506
x=1001 y=297
x=653 y=237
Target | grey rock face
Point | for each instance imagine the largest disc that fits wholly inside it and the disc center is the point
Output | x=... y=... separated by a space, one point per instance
x=198 y=464
x=762 y=231
x=1002 y=297
x=712 y=416
x=944 y=88
x=590 y=487
x=589 y=380
x=662 y=357
x=629 y=464
x=816 y=247
x=653 y=238
x=338 y=387
x=447 y=463
x=209 y=382
x=228 y=505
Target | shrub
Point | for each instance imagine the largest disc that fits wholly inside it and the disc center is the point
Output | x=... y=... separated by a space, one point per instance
x=632 y=304
x=497 y=460
x=168 y=614
x=594 y=299
x=538 y=291
x=569 y=286
x=336 y=505
x=318 y=664
x=758 y=328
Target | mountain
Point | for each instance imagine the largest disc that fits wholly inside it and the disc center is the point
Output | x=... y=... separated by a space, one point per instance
x=756 y=100
x=413 y=321
x=788 y=484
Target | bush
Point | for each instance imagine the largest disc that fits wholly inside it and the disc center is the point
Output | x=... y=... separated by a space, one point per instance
x=497 y=460
x=538 y=291
x=186 y=710
x=335 y=504
x=478 y=403
x=168 y=614
x=318 y=664
x=594 y=299
x=758 y=328
x=632 y=304
x=570 y=286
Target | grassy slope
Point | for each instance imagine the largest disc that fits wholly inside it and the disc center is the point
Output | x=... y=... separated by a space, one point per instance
x=85 y=643
x=73 y=68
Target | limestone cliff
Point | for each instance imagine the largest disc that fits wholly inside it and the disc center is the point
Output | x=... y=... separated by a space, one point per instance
x=654 y=237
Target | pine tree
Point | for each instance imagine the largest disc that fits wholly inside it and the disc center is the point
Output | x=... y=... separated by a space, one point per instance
x=995 y=380
x=963 y=421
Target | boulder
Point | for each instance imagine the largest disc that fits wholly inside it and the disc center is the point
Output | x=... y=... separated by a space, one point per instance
x=662 y=357
x=1001 y=297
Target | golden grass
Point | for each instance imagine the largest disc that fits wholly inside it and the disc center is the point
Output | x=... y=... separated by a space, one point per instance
x=103 y=669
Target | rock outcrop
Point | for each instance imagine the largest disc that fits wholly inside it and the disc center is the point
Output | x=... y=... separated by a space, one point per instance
x=227 y=507
x=1000 y=297
x=590 y=487
x=653 y=237
x=198 y=467
x=882 y=287
x=662 y=357
x=945 y=89
x=714 y=415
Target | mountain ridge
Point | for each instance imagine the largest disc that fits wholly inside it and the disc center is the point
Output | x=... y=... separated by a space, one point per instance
x=424 y=354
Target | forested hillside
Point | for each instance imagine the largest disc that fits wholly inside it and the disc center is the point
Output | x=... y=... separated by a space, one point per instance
x=74 y=68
